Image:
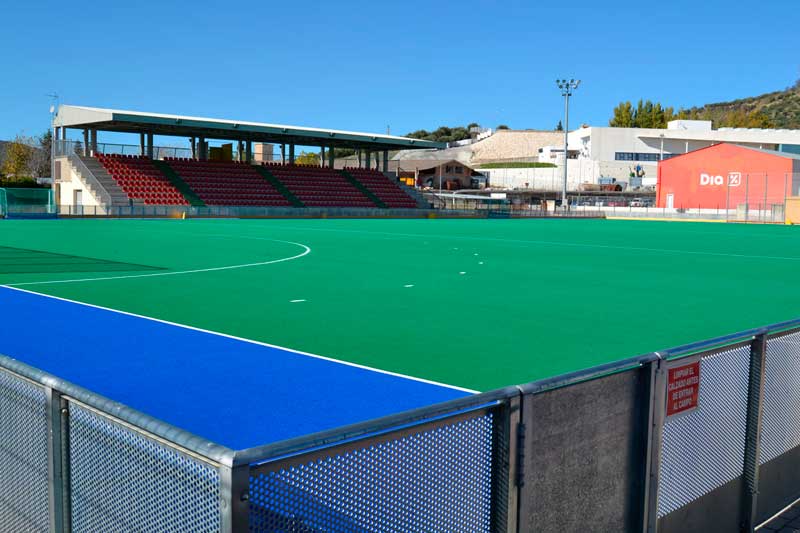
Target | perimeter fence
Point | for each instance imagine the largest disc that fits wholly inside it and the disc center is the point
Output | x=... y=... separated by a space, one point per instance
x=703 y=437
x=219 y=211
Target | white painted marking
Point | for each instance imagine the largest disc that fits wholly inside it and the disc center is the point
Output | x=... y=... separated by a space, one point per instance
x=552 y=243
x=462 y=273
x=407 y=286
x=296 y=301
x=480 y=262
x=306 y=251
x=242 y=339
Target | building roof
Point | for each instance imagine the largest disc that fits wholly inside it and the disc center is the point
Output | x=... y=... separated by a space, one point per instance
x=786 y=155
x=730 y=135
x=502 y=145
x=424 y=164
x=81 y=117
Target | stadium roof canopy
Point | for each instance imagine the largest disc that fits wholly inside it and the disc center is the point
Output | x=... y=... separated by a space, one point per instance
x=97 y=119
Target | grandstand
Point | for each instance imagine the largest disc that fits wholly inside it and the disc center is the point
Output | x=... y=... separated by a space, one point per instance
x=320 y=187
x=139 y=178
x=225 y=183
x=92 y=174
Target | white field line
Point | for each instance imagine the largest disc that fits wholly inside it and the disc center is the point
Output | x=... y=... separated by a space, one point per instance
x=306 y=251
x=249 y=341
x=553 y=243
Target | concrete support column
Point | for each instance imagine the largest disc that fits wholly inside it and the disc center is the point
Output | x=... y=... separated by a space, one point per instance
x=239 y=150
x=368 y=159
x=322 y=156
x=141 y=144
x=331 y=159
x=201 y=148
x=93 y=141
x=291 y=154
x=358 y=153
x=150 y=145
x=283 y=154
x=248 y=152
x=386 y=160
x=85 y=141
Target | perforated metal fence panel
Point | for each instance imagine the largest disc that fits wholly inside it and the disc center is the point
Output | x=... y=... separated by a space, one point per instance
x=434 y=480
x=122 y=480
x=781 y=406
x=704 y=449
x=23 y=455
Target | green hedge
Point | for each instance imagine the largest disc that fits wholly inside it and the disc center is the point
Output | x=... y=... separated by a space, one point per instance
x=517 y=165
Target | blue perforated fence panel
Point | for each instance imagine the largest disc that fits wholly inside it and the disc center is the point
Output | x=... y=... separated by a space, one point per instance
x=704 y=449
x=23 y=455
x=122 y=480
x=780 y=423
x=436 y=480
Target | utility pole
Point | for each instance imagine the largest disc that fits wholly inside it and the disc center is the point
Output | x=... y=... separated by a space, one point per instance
x=566 y=86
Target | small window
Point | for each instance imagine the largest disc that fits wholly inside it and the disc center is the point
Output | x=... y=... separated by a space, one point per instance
x=448 y=169
x=459 y=170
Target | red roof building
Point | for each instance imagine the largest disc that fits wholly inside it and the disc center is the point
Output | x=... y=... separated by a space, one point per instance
x=724 y=176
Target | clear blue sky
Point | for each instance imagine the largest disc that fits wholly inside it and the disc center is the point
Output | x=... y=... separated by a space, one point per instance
x=366 y=65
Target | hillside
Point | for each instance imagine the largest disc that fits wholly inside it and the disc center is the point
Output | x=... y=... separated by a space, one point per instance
x=782 y=108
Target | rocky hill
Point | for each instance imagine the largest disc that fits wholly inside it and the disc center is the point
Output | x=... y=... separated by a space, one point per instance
x=782 y=108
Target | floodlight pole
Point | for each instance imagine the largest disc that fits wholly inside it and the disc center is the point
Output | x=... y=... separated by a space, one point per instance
x=566 y=86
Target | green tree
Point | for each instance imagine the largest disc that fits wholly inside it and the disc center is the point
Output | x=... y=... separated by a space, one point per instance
x=503 y=127
x=343 y=152
x=307 y=158
x=16 y=165
x=623 y=116
x=443 y=134
x=646 y=114
x=559 y=126
x=39 y=164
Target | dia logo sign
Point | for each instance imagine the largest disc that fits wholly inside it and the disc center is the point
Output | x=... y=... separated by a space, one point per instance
x=734 y=179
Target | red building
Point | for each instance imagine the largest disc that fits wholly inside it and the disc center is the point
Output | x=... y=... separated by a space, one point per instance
x=724 y=176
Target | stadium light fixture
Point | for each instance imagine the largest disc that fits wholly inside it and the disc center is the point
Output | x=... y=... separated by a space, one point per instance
x=567 y=87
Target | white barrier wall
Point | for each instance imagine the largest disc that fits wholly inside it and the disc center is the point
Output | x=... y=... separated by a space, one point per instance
x=67 y=182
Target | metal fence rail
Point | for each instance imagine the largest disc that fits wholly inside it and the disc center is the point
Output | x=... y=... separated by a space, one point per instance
x=603 y=449
x=216 y=211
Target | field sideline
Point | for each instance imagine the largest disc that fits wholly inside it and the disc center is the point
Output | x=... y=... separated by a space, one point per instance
x=477 y=304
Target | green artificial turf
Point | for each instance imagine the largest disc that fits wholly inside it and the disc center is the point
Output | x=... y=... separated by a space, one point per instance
x=475 y=303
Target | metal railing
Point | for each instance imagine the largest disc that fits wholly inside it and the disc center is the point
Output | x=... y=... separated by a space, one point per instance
x=68 y=147
x=88 y=176
x=697 y=438
x=216 y=211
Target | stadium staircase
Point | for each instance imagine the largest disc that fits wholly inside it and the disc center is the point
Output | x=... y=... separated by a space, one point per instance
x=319 y=187
x=385 y=190
x=179 y=184
x=422 y=202
x=360 y=186
x=98 y=181
x=279 y=186
x=141 y=180
x=227 y=183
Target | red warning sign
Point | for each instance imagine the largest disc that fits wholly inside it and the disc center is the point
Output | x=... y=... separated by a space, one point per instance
x=683 y=388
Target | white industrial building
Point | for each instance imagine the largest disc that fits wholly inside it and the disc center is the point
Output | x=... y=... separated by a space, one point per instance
x=607 y=152
x=616 y=152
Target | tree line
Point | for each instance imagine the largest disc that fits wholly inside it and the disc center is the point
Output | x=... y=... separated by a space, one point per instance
x=446 y=134
x=24 y=159
x=648 y=114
